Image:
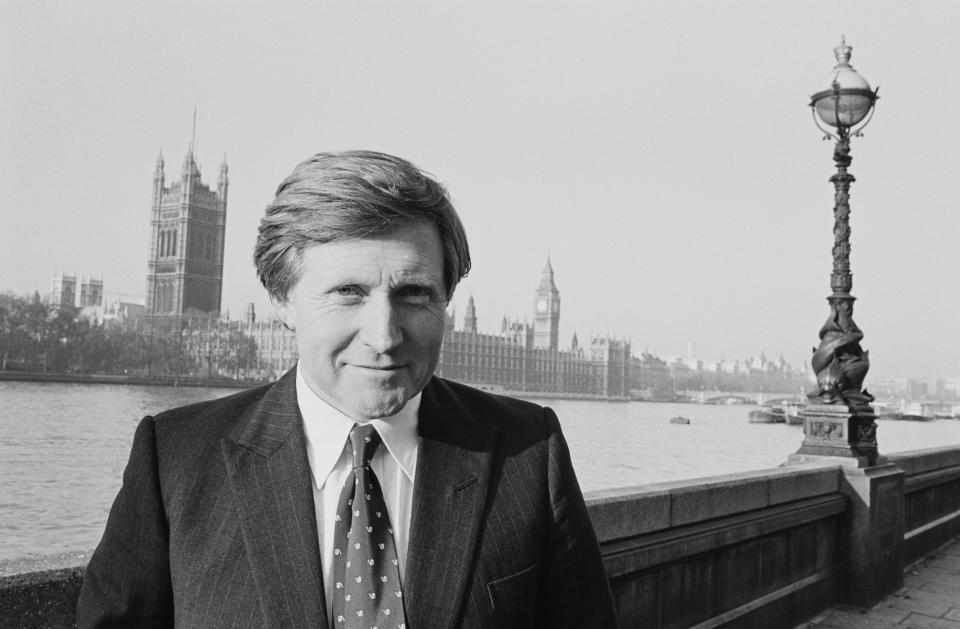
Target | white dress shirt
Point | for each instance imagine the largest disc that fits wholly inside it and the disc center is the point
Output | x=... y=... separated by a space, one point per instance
x=328 y=451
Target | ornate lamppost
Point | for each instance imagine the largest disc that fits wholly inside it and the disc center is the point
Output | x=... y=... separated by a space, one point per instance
x=839 y=420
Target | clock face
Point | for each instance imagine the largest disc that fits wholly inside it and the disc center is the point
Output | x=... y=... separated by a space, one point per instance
x=541 y=306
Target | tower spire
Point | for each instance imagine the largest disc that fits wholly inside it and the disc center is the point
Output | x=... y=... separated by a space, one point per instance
x=546 y=276
x=470 y=320
x=193 y=133
x=190 y=168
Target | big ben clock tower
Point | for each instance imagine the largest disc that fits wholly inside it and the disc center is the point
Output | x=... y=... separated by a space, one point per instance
x=546 y=311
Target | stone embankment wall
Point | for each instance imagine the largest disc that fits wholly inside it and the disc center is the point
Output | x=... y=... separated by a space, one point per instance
x=931 y=499
x=773 y=548
x=762 y=549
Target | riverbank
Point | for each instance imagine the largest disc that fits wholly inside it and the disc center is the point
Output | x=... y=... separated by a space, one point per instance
x=187 y=381
x=94 y=378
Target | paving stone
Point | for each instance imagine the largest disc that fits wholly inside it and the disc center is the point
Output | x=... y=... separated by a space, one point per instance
x=915 y=579
x=935 y=573
x=921 y=601
x=875 y=618
x=919 y=621
x=944 y=562
x=947 y=587
x=929 y=600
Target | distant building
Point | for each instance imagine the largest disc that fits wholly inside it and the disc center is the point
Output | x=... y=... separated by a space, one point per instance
x=526 y=358
x=66 y=292
x=187 y=226
x=276 y=345
x=123 y=308
x=511 y=360
x=63 y=291
x=546 y=311
x=91 y=293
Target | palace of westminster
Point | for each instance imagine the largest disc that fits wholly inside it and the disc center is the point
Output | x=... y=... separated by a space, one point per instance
x=184 y=281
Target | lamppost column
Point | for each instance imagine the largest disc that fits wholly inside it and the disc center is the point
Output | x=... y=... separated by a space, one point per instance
x=839 y=420
x=841 y=281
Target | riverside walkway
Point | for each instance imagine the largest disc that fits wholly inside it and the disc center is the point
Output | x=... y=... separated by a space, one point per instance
x=930 y=599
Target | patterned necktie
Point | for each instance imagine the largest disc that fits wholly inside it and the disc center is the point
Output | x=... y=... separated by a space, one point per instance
x=366 y=574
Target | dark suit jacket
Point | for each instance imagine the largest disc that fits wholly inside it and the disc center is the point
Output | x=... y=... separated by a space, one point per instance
x=215 y=524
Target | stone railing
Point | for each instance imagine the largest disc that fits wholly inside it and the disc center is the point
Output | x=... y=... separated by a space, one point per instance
x=763 y=549
x=41 y=592
x=931 y=499
x=775 y=547
x=760 y=548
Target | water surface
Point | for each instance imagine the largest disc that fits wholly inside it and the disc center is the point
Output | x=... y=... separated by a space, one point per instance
x=63 y=448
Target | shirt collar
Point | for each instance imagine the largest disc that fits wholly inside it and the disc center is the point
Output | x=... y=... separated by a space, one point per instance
x=327 y=428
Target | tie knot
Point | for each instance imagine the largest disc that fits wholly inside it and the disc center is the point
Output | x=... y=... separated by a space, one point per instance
x=364 y=441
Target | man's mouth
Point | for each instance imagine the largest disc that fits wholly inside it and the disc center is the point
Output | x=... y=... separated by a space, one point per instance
x=381 y=367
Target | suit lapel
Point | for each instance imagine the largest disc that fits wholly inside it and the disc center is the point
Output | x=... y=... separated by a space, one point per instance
x=452 y=478
x=269 y=474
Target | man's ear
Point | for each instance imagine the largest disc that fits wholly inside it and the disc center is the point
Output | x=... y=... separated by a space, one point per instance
x=285 y=312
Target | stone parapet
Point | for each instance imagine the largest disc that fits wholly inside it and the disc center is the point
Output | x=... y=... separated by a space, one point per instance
x=41 y=591
x=770 y=548
x=931 y=500
x=752 y=549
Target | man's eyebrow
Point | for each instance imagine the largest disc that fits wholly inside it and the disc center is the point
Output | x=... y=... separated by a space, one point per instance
x=418 y=277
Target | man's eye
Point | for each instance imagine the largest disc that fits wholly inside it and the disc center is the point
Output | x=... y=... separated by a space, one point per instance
x=348 y=291
x=417 y=293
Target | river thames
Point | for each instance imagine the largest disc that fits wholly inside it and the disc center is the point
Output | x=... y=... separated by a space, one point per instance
x=63 y=448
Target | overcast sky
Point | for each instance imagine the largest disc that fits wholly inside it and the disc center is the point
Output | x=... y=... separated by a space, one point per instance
x=661 y=153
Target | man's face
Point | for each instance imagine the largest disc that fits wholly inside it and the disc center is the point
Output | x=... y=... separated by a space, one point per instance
x=369 y=318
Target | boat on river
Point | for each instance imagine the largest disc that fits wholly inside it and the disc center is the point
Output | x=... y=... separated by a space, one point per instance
x=767 y=415
x=780 y=410
x=794 y=410
x=912 y=417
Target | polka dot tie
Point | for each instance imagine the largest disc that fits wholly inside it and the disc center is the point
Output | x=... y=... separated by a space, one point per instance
x=366 y=574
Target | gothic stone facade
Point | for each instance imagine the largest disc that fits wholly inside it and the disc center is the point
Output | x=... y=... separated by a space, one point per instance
x=188 y=219
x=520 y=358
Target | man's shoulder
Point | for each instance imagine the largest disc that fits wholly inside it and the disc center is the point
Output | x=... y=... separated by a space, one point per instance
x=479 y=398
x=510 y=415
x=226 y=405
x=211 y=419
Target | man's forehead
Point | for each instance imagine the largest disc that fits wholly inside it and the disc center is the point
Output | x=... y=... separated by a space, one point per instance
x=403 y=253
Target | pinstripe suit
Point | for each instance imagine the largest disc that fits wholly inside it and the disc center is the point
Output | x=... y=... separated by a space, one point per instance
x=215 y=526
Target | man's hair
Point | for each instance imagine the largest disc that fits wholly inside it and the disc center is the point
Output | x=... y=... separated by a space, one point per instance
x=349 y=195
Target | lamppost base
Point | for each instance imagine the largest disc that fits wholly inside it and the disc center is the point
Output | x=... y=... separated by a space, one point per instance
x=828 y=430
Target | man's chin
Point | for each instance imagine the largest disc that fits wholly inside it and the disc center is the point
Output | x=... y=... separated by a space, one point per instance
x=379 y=407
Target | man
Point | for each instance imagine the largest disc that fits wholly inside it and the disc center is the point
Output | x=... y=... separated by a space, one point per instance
x=358 y=490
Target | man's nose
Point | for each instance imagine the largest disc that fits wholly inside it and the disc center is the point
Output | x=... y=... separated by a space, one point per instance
x=380 y=327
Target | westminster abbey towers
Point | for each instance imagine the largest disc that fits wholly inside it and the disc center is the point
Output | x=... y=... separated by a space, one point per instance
x=188 y=221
